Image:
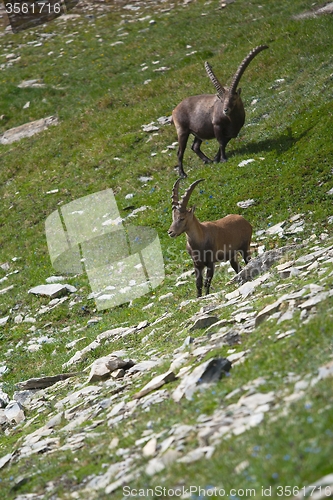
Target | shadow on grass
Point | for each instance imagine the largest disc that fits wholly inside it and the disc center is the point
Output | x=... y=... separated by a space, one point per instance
x=280 y=144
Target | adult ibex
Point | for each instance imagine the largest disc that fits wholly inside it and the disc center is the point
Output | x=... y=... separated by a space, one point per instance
x=209 y=115
x=209 y=242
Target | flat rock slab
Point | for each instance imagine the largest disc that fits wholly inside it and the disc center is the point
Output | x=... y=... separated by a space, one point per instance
x=156 y=383
x=5 y=459
x=31 y=84
x=313 y=301
x=204 y=322
x=4 y=320
x=27 y=130
x=43 y=382
x=267 y=311
x=53 y=291
x=208 y=372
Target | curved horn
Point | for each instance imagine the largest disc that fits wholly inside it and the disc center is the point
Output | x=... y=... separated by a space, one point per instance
x=243 y=65
x=184 y=201
x=175 y=196
x=220 y=89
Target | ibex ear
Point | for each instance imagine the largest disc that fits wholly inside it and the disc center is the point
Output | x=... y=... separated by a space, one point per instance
x=239 y=92
x=192 y=209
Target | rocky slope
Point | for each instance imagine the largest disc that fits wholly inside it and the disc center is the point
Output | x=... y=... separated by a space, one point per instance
x=79 y=409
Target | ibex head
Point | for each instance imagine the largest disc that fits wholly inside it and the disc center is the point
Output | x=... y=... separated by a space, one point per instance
x=181 y=215
x=230 y=96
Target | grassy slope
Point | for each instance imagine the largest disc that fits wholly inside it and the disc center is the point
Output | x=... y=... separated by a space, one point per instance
x=97 y=92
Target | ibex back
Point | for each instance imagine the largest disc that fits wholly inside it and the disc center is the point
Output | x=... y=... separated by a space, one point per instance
x=209 y=242
x=207 y=116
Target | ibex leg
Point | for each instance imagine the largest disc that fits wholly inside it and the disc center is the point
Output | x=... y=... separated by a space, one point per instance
x=196 y=148
x=246 y=254
x=182 y=141
x=221 y=155
x=234 y=263
x=199 y=280
x=209 y=277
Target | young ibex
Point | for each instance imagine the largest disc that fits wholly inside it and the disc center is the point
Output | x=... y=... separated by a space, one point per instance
x=209 y=242
x=207 y=116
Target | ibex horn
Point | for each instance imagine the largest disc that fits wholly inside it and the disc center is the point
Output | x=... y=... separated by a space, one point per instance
x=175 y=196
x=220 y=89
x=244 y=64
x=184 y=201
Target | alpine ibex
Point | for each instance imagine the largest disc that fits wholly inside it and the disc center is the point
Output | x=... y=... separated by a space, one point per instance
x=207 y=116
x=209 y=242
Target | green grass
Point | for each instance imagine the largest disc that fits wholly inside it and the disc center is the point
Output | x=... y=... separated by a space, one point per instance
x=98 y=93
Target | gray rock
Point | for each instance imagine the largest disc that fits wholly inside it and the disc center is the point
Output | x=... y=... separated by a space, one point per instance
x=54 y=421
x=286 y=316
x=261 y=264
x=103 y=367
x=27 y=130
x=80 y=355
x=313 y=301
x=5 y=459
x=326 y=371
x=206 y=373
x=164 y=120
x=237 y=356
x=253 y=401
x=289 y=272
x=267 y=311
x=276 y=229
x=24 y=397
x=197 y=454
x=3 y=369
x=52 y=290
x=246 y=203
x=55 y=279
x=156 y=465
x=166 y=296
x=150 y=127
x=204 y=322
x=155 y=383
x=14 y=412
x=6 y=289
x=4 y=399
x=144 y=366
x=3 y=321
x=179 y=360
x=31 y=84
x=150 y=448
x=42 y=382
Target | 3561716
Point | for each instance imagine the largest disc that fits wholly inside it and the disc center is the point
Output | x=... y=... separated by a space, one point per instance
x=20 y=8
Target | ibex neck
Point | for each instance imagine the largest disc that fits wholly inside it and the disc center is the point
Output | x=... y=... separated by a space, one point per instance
x=195 y=232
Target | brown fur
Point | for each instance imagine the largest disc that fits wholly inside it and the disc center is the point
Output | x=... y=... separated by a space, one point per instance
x=210 y=116
x=210 y=242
